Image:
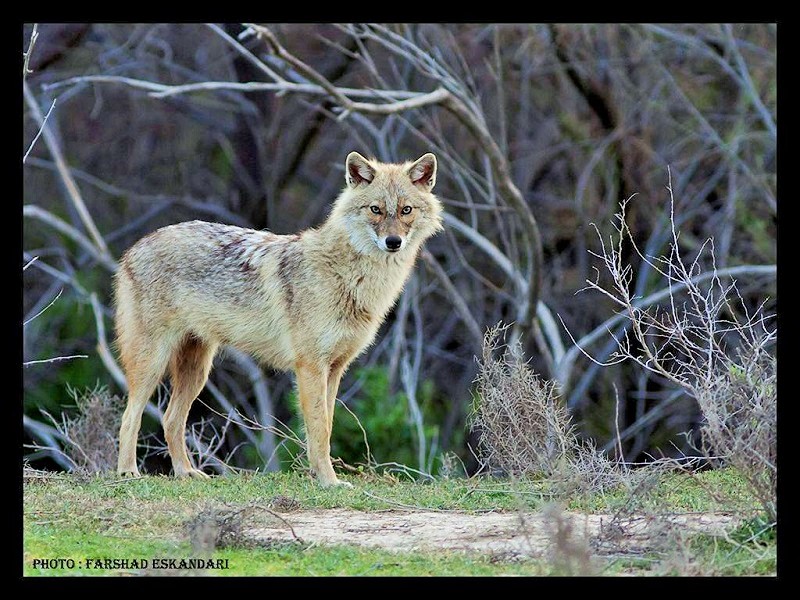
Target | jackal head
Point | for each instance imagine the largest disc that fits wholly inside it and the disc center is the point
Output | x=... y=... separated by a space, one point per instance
x=388 y=207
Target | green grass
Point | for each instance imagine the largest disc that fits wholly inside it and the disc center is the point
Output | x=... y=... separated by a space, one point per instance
x=284 y=560
x=730 y=558
x=369 y=494
x=706 y=491
x=80 y=517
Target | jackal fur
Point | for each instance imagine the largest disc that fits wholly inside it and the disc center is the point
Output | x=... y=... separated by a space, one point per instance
x=308 y=303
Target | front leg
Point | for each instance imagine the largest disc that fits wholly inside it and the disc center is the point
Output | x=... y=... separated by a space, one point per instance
x=334 y=378
x=312 y=388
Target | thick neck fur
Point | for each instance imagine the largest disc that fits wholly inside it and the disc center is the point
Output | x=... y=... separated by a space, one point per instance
x=370 y=277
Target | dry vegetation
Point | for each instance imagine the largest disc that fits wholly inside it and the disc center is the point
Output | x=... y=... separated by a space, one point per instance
x=540 y=130
x=698 y=342
x=91 y=434
x=707 y=342
x=523 y=424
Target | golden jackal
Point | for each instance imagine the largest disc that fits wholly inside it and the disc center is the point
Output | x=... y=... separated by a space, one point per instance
x=309 y=303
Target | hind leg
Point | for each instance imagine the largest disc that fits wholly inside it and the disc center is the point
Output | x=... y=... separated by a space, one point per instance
x=144 y=366
x=189 y=368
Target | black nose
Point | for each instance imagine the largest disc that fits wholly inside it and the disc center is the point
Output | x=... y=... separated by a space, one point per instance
x=393 y=242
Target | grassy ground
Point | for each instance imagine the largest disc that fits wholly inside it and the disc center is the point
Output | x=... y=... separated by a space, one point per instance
x=80 y=517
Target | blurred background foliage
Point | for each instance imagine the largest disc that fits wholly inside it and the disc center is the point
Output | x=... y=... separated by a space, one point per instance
x=585 y=116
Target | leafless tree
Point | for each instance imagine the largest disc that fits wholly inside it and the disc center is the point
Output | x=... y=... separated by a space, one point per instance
x=539 y=129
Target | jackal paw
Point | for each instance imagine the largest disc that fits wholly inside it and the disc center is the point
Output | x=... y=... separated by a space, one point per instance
x=193 y=473
x=335 y=483
x=132 y=473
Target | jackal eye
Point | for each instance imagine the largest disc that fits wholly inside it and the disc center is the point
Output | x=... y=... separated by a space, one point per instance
x=375 y=209
x=406 y=210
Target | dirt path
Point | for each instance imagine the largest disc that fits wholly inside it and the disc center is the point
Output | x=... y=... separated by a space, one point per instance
x=506 y=534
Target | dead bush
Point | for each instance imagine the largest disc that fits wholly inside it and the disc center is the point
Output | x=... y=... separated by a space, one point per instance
x=526 y=430
x=524 y=427
x=215 y=527
x=705 y=340
x=226 y=526
x=740 y=422
x=90 y=436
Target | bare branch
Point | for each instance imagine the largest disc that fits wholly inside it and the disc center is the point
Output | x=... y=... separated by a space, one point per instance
x=458 y=301
x=39 y=133
x=690 y=345
x=45 y=308
x=264 y=402
x=29 y=263
x=564 y=367
x=27 y=55
x=755 y=98
x=35 y=212
x=476 y=127
x=160 y=90
x=52 y=360
x=50 y=436
x=251 y=58
x=102 y=344
x=72 y=189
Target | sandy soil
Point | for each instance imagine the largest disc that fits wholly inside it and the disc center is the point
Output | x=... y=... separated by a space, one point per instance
x=507 y=534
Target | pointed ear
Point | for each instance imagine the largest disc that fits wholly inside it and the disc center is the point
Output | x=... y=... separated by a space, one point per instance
x=358 y=170
x=423 y=171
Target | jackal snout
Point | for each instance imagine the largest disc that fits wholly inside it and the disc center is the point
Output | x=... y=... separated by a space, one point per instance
x=392 y=243
x=391 y=234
